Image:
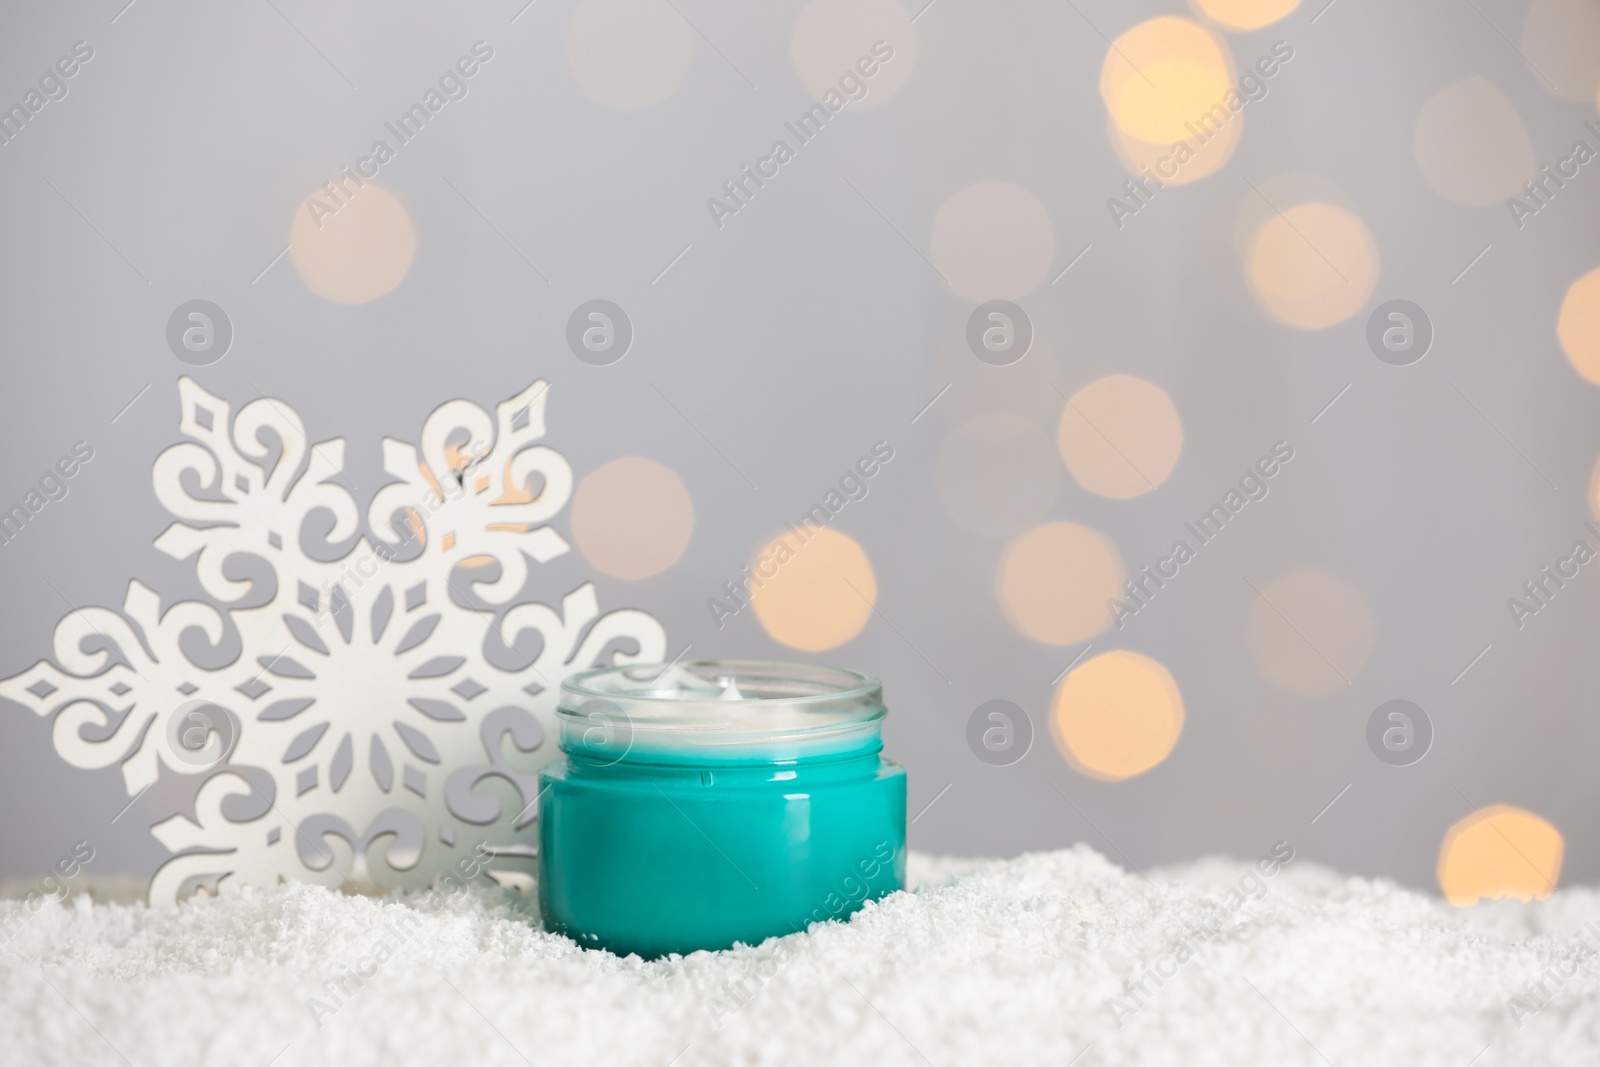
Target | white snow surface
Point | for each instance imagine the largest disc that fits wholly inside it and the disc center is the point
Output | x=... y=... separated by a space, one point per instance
x=1032 y=960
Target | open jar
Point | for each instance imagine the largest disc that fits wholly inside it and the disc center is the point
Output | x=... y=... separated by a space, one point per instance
x=701 y=804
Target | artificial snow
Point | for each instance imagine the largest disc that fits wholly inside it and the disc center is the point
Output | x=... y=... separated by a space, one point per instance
x=1056 y=958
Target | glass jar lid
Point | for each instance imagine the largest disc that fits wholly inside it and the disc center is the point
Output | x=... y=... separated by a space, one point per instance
x=732 y=707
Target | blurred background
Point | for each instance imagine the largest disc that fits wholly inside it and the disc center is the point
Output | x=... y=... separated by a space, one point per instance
x=1311 y=290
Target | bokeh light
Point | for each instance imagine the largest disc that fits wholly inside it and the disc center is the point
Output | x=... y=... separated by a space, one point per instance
x=1471 y=145
x=1594 y=491
x=1561 y=40
x=1502 y=851
x=1120 y=436
x=1245 y=14
x=1578 y=326
x=820 y=592
x=359 y=252
x=1310 y=632
x=1056 y=581
x=1116 y=715
x=629 y=53
x=632 y=518
x=1159 y=160
x=997 y=474
x=834 y=39
x=1162 y=76
x=1312 y=265
x=993 y=241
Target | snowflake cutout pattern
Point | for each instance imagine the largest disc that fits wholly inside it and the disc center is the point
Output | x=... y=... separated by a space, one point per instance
x=367 y=731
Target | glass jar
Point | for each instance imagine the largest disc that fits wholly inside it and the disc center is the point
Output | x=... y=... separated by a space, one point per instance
x=701 y=804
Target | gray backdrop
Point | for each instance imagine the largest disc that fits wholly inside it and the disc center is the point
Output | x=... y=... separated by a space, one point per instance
x=812 y=325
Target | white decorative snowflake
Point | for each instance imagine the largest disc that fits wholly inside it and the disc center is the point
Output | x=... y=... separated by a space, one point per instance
x=367 y=733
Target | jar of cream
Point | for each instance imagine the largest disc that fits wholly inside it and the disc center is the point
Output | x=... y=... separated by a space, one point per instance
x=701 y=804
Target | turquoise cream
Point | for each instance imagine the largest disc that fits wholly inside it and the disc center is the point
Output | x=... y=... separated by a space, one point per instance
x=702 y=804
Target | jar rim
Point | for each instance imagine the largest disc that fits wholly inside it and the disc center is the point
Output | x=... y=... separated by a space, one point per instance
x=727 y=698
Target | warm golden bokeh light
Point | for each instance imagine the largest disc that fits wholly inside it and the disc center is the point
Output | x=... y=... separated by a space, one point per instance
x=1245 y=14
x=997 y=474
x=1471 y=145
x=816 y=594
x=1162 y=76
x=1594 y=491
x=1120 y=436
x=1117 y=715
x=632 y=518
x=1561 y=41
x=1313 y=265
x=1310 y=632
x=629 y=53
x=1161 y=161
x=1502 y=851
x=993 y=241
x=835 y=43
x=1578 y=327
x=357 y=253
x=1056 y=583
